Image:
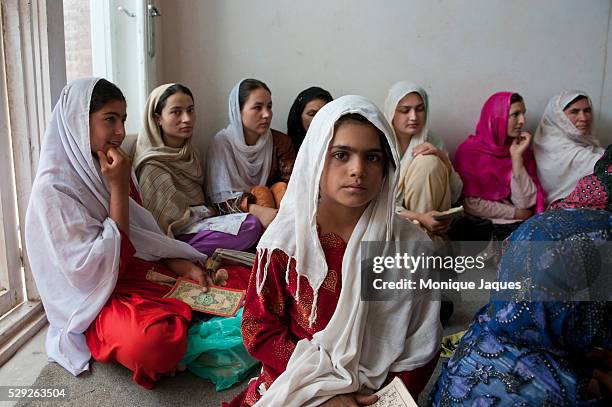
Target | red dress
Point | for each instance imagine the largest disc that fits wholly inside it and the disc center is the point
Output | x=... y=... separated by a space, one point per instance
x=273 y=322
x=137 y=327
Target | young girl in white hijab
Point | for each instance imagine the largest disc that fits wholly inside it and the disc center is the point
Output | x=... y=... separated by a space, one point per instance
x=564 y=147
x=93 y=248
x=303 y=316
x=248 y=164
x=428 y=183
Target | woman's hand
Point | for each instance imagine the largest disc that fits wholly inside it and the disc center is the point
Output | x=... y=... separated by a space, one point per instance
x=428 y=148
x=220 y=277
x=190 y=270
x=264 y=214
x=427 y=221
x=520 y=144
x=522 y=214
x=116 y=167
x=435 y=226
x=425 y=149
x=351 y=400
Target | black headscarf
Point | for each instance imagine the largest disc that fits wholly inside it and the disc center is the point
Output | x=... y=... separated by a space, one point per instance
x=295 y=130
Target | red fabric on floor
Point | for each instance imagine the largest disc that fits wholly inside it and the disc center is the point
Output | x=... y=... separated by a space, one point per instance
x=137 y=327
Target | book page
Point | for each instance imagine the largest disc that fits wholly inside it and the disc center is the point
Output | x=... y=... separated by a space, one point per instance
x=394 y=394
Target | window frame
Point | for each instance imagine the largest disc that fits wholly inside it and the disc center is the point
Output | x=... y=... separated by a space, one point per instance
x=34 y=72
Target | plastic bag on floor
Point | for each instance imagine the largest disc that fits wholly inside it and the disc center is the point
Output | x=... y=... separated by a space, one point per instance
x=215 y=351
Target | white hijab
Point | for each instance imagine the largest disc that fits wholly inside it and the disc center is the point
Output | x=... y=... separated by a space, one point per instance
x=73 y=246
x=363 y=341
x=562 y=154
x=395 y=94
x=233 y=167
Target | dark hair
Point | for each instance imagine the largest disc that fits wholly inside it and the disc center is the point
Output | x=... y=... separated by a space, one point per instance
x=246 y=87
x=516 y=98
x=104 y=92
x=574 y=100
x=295 y=129
x=176 y=88
x=359 y=119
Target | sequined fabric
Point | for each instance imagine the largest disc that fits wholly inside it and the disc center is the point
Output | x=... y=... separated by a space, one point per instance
x=531 y=353
x=594 y=190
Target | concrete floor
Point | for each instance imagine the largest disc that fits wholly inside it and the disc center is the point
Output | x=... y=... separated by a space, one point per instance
x=25 y=366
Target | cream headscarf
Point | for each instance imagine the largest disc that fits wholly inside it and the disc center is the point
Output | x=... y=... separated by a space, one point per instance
x=562 y=154
x=363 y=341
x=72 y=244
x=170 y=178
x=233 y=167
x=395 y=94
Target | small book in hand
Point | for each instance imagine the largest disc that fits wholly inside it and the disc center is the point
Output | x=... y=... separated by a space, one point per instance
x=452 y=213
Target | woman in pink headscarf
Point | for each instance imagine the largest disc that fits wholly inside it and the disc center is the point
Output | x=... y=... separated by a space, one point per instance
x=497 y=166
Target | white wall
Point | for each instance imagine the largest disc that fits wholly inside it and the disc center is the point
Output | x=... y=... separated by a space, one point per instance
x=460 y=50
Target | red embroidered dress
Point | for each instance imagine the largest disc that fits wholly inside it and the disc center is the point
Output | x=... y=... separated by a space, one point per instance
x=274 y=321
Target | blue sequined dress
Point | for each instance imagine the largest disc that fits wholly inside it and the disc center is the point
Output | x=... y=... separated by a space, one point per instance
x=531 y=353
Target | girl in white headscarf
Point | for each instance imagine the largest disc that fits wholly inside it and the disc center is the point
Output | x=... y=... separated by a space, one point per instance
x=247 y=157
x=303 y=316
x=94 y=250
x=171 y=177
x=428 y=183
x=564 y=147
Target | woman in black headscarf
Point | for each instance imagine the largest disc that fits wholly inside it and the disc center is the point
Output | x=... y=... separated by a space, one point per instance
x=306 y=105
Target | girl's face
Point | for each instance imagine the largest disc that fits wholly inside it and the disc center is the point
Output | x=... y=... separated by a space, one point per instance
x=256 y=114
x=516 y=119
x=410 y=116
x=310 y=110
x=581 y=115
x=354 y=166
x=107 y=126
x=177 y=119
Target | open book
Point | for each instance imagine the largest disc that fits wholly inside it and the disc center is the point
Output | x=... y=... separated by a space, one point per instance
x=217 y=300
x=394 y=394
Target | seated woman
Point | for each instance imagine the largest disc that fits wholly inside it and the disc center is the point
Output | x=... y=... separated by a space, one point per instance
x=497 y=167
x=532 y=348
x=247 y=157
x=428 y=183
x=171 y=177
x=303 y=316
x=93 y=248
x=307 y=103
x=564 y=148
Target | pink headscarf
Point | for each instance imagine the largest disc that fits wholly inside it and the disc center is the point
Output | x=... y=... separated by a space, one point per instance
x=483 y=160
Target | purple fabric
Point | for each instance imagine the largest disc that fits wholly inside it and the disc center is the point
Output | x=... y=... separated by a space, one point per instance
x=207 y=241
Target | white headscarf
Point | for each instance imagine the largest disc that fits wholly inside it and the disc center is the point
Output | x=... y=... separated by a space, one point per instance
x=363 y=341
x=73 y=246
x=562 y=154
x=395 y=94
x=232 y=166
